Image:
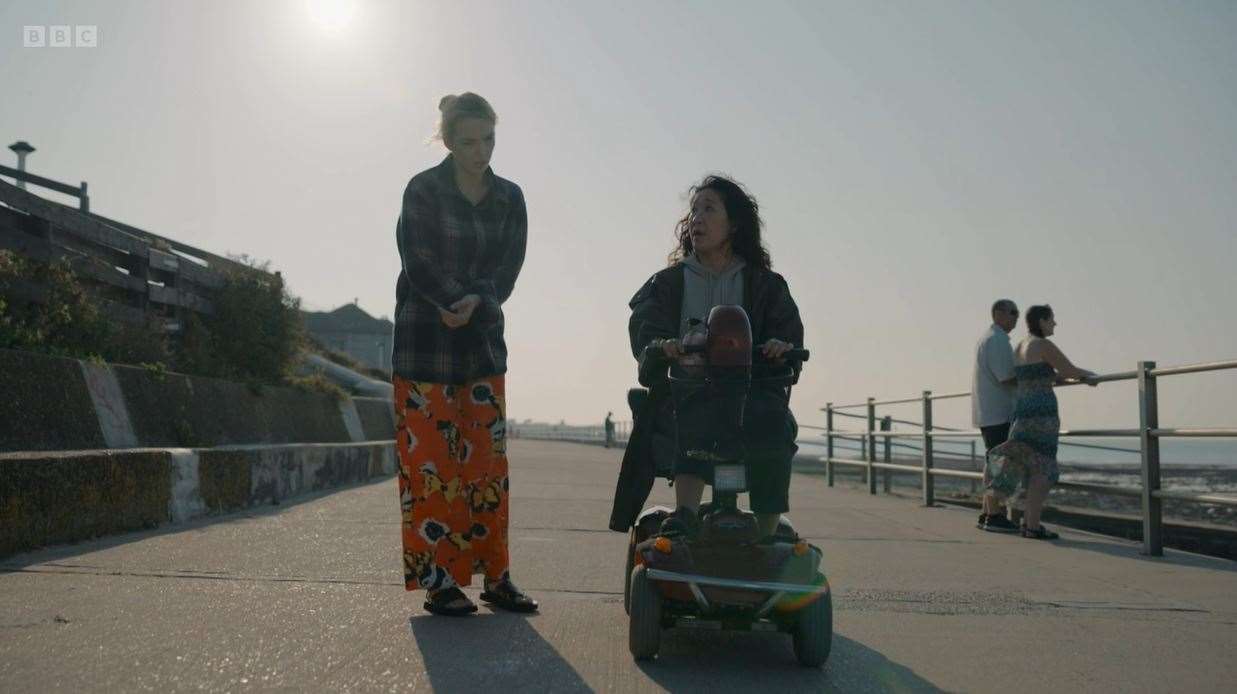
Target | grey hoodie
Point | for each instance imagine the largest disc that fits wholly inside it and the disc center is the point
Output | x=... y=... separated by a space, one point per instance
x=703 y=289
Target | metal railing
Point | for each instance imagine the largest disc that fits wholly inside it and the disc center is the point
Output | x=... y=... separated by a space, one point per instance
x=1149 y=434
x=78 y=191
x=136 y=276
x=587 y=433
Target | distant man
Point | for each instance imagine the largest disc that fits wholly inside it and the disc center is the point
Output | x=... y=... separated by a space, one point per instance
x=609 y=429
x=992 y=397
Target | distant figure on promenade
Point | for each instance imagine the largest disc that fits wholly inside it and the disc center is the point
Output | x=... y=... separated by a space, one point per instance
x=992 y=397
x=461 y=236
x=609 y=429
x=1029 y=457
x=718 y=259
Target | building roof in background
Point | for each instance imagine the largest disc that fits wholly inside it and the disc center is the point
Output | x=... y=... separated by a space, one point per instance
x=348 y=318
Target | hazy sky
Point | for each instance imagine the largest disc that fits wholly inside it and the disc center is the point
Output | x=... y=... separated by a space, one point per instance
x=913 y=161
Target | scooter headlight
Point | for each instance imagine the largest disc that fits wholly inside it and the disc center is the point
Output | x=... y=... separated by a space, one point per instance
x=730 y=478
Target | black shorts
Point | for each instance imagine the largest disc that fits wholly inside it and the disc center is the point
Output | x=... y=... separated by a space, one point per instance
x=994 y=435
x=770 y=431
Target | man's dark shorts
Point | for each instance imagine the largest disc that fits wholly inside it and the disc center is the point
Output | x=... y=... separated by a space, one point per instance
x=771 y=432
x=994 y=435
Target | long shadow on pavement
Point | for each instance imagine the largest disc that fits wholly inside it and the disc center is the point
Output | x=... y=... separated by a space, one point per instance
x=1134 y=552
x=720 y=662
x=490 y=650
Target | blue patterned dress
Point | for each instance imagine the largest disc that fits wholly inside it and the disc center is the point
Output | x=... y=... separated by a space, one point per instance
x=1032 y=446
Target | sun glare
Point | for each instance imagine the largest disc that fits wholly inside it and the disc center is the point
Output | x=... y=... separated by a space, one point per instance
x=331 y=16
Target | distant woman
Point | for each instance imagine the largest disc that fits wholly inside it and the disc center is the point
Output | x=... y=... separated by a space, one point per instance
x=461 y=236
x=1029 y=457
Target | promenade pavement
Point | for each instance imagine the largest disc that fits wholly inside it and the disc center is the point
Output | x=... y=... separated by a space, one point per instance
x=308 y=596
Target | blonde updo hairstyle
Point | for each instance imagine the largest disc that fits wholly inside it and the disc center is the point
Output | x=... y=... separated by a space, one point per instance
x=456 y=107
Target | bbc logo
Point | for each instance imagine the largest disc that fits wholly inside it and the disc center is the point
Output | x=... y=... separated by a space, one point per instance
x=60 y=36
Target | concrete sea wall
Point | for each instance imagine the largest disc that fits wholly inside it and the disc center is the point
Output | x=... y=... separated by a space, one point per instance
x=69 y=496
x=54 y=404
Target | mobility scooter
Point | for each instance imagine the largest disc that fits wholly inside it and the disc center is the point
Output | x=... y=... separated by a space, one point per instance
x=723 y=576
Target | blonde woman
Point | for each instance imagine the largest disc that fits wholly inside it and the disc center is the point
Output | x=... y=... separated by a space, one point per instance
x=461 y=234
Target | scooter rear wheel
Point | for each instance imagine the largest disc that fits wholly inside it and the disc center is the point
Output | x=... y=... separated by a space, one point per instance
x=813 y=633
x=644 y=625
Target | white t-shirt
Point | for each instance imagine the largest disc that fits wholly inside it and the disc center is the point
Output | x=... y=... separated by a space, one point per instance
x=991 y=402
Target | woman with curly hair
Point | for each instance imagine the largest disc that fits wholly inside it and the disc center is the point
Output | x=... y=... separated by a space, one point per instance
x=718 y=259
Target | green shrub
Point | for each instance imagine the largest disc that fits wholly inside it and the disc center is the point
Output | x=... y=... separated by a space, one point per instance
x=67 y=320
x=255 y=335
x=318 y=383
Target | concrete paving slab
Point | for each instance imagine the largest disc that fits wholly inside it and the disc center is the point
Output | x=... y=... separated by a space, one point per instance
x=308 y=596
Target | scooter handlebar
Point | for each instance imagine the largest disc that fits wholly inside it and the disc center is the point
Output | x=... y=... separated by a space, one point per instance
x=796 y=354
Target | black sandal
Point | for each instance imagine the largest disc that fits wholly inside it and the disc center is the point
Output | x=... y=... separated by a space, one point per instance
x=440 y=603
x=1040 y=533
x=504 y=594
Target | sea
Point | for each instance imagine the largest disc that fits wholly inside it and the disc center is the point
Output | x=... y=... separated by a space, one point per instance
x=1188 y=465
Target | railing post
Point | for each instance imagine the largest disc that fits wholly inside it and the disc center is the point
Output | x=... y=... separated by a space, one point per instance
x=974 y=467
x=1148 y=419
x=871 y=439
x=829 y=444
x=927 y=483
x=84 y=199
x=886 y=425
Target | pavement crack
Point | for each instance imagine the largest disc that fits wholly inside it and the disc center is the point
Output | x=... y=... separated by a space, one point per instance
x=1120 y=607
x=564 y=530
x=915 y=540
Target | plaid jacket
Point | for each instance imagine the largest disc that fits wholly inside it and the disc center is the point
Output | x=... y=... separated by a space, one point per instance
x=450 y=248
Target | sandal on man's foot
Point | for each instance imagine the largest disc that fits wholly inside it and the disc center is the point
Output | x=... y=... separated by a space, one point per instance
x=1040 y=533
x=450 y=602
x=505 y=595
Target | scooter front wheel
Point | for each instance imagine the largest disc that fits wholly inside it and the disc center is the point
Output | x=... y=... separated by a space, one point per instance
x=644 y=625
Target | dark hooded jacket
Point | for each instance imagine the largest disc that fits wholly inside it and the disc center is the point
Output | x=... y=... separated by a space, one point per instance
x=655 y=312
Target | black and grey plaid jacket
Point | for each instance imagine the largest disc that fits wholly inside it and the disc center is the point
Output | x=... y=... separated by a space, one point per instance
x=451 y=248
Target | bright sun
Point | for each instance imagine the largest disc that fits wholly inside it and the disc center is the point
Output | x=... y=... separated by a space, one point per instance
x=331 y=15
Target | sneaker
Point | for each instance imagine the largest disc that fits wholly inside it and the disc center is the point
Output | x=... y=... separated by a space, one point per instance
x=998 y=523
x=683 y=522
x=983 y=520
x=1040 y=533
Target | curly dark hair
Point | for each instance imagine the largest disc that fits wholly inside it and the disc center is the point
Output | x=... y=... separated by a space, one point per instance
x=743 y=212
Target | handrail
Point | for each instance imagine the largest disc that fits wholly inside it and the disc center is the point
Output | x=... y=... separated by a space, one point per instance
x=78 y=192
x=895 y=420
x=1100 y=378
x=1149 y=434
x=1195 y=368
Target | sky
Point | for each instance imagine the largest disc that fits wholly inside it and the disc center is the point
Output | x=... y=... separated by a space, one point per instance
x=913 y=162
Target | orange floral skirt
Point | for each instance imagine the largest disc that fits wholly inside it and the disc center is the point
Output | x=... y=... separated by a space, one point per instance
x=453 y=487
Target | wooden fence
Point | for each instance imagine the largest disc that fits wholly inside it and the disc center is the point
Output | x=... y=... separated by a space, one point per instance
x=139 y=276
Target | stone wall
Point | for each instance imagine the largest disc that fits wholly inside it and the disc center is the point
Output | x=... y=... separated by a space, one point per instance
x=53 y=403
x=56 y=497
